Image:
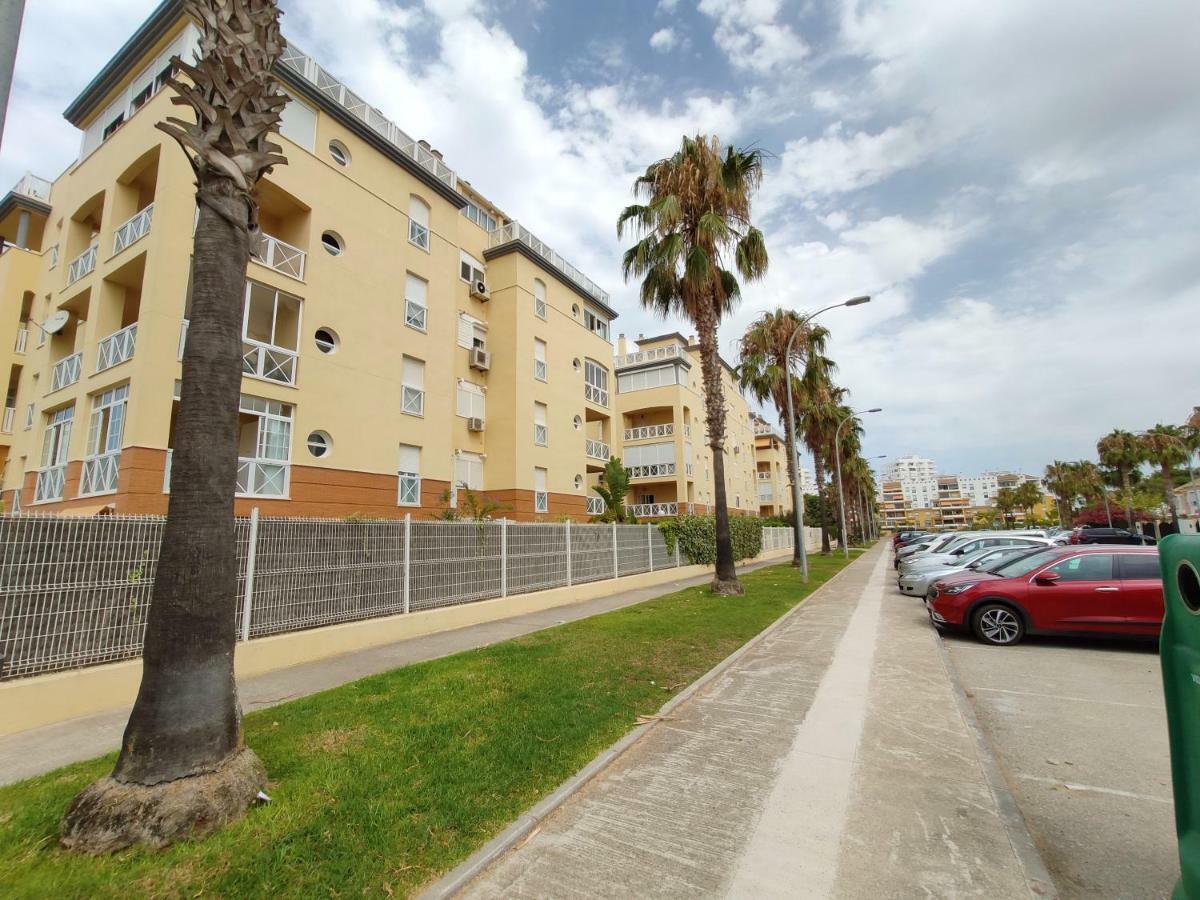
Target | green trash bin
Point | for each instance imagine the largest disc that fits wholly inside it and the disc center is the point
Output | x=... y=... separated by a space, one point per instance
x=1179 y=556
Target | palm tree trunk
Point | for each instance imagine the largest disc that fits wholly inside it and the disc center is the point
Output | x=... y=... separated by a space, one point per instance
x=819 y=471
x=183 y=744
x=1169 y=492
x=793 y=478
x=1128 y=490
x=725 y=580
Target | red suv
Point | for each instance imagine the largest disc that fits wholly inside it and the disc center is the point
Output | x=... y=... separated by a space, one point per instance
x=1061 y=590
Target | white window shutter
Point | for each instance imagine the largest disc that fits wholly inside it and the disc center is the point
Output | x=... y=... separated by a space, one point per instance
x=410 y=458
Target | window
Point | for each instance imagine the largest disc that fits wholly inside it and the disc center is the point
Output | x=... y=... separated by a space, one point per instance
x=577 y=422
x=410 y=475
x=479 y=217
x=595 y=382
x=319 y=444
x=472 y=333
x=270 y=333
x=103 y=451
x=645 y=379
x=298 y=123
x=541 y=499
x=55 y=445
x=539 y=298
x=1093 y=567
x=540 y=433
x=140 y=98
x=160 y=80
x=113 y=126
x=415 y=308
x=418 y=223
x=332 y=242
x=470 y=269
x=1140 y=566
x=340 y=154
x=412 y=391
x=28 y=416
x=326 y=340
x=578 y=482
x=470 y=401
x=468 y=471
x=595 y=324
x=647 y=499
x=647 y=460
x=539 y=359
x=264 y=447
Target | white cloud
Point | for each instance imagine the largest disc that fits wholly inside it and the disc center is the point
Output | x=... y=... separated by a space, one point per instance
x=664 y=40
x=666 y=6
x=750 y=35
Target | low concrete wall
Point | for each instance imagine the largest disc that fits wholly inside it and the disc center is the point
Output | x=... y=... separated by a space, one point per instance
x=46 y=699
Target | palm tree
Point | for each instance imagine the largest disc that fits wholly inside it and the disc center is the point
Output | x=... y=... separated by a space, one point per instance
x=1166 y=448
x=1028 y=495
x=1124 y=452
x=614 y=485
x=1088 y=480
x=183 y=768
x=819 y=420
x=1006 y=502
x=695 y=231
x=765 y=371
x=1058 y=480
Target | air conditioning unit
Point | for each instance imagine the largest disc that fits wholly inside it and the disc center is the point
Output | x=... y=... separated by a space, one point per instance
x=475 y=423
x=479 y=291
x=481 y=360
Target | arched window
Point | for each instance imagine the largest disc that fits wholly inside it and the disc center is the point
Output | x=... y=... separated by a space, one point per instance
x=418 y=222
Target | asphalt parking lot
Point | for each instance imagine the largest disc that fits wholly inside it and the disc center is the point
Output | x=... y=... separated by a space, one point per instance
x=1080 y=730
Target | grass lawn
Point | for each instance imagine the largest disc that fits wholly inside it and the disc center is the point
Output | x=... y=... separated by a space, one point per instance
x=380 y=785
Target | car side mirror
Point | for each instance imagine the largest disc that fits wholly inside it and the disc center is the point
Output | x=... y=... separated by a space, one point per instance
x=1047 y=578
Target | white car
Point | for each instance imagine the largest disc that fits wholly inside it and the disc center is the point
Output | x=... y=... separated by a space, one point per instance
x=917 y=583
x=967 y=547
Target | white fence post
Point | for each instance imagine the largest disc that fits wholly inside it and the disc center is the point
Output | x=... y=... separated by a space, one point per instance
x=568 y=527
x=616 y=567
x=678 y=562
x=407 y=561
x=248 y=593
x=504 y=557
x=650 y=545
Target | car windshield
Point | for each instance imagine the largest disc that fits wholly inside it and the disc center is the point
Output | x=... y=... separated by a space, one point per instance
x=1015 y=568
x=994 y=558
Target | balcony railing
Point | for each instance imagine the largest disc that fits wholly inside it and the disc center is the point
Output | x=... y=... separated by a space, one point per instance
x=50 y=481
x=66 y=371
x=32 y=186
x=653 y=510
x=514 y=231
x=82 y=265
x=644 y=432
x=116 y=348
x=100 y=473
x=596 y=449
x=258 y=478
x=22 y=340
x=595 y=506
x=280 y=256
x=10 y=413
x=671 y=351
x=764 y=476
x=271 y=363
x=133 y=229
x=310 y=70
x=53 y=254
x=593 y=394
x=654 y=470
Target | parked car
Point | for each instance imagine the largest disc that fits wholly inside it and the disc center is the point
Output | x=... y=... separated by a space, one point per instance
x=1107 y=536
x=933 y=543
x=1060 y=590
x=954 y=540
x=917 y=582
x=966 y=547
x=904 y=537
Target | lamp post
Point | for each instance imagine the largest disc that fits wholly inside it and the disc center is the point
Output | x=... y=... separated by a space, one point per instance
x=800 y=552
x=837 y=458
x=869 y=520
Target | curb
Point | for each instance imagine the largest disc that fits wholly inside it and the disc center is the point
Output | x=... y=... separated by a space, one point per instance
x=529 y=821
x=1033 y=867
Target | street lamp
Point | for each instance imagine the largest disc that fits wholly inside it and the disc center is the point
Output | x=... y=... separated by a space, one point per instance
x=837 y=458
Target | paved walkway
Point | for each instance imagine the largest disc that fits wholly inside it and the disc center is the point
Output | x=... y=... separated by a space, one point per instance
x=835 y=759
x=39 y=750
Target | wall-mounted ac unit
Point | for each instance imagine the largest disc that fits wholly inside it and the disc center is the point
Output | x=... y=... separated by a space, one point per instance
x=481 y=360
x=479 y=290
x=475 y=423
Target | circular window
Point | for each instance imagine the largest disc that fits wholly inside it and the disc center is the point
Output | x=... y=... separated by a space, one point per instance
x=326 y=340
x=578 y=482
x=340 y=154
x=575 y=310
x=319 y=444
x=575 y=364
x=578 y=423
x=332 y=242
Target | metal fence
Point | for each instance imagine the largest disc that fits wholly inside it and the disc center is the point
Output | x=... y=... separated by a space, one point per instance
x=74 y=591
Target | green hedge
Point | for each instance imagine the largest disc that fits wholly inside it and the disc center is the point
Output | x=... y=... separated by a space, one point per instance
x=697 y=537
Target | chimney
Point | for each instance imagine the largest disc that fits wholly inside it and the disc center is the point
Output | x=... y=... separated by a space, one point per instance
x=437 y=153
x=641 y=336
x=621 y=345
x=424 y=143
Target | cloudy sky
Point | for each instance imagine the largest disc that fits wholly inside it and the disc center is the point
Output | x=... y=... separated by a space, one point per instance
x=1015 y=182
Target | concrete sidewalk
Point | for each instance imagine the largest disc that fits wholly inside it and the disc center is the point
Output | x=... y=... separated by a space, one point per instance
x=835 y=758
x=38 y=750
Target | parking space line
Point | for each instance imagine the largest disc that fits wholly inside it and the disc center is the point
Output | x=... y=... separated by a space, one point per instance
x=975 y=690
x=1072 y=786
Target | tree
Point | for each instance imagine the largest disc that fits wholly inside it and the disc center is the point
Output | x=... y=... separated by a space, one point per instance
x=695 y=231
x=1027 y=495
x=1089 y=482
x=613 y=489
x=822 y=412
x=1006 y=502
x=1124 y=452
x=1166 y=448
x=183 y=768
x=464 y=505
x=766 y=371
x=1059 y=481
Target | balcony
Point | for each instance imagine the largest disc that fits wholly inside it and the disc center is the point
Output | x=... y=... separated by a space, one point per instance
x=656 y=510
x=765 y=494
x=595 y=394
x=100 y=474
x=257 y=478
x=514 y=231
x=116 y=348
x=32 y=186
x=595 y=506
x=22 y=340
x=66 y=371
x=671 y=351
x=655 y=470
x=270 y=363
x=10 y=413
x=645 y=432
x=597 y=450
x=279 y=255
x=50 y=481
x=133 y=229
x=83 y=264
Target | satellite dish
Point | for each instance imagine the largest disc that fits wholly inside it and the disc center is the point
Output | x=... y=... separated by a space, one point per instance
x=57 y=322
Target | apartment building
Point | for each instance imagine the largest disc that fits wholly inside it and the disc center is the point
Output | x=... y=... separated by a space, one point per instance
x=771 y=463
x=403 y=338
x=918 y=476
x=660 y=404
x=893 y=506
x=953 y=508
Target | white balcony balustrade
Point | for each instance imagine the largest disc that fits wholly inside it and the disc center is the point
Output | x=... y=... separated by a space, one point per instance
x=133 y=229
x=594 y=394
x=116 y=348
x=279 y=255
x=514 y=231
x=653 y=510
x=100 y=473
x=256 y=478
x=671 y=351
x=31 y=185
x=270 y=363
x=82 y=265
x=595 y=506
x=66 y=371
x=597 y=450
x=50 y=482
x=645 y=432
x=655 y=470
x=22 y=340
x=10 y=414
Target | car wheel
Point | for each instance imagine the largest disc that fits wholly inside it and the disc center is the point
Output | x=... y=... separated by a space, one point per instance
x=998 y=624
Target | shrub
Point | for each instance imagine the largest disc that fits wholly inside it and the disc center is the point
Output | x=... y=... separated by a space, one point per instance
x=697 y=537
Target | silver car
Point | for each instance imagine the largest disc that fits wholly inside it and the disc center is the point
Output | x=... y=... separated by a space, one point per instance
x=966 y=547
x=918 y=582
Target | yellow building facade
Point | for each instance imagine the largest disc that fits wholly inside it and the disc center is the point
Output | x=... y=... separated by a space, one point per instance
x=771 y=475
